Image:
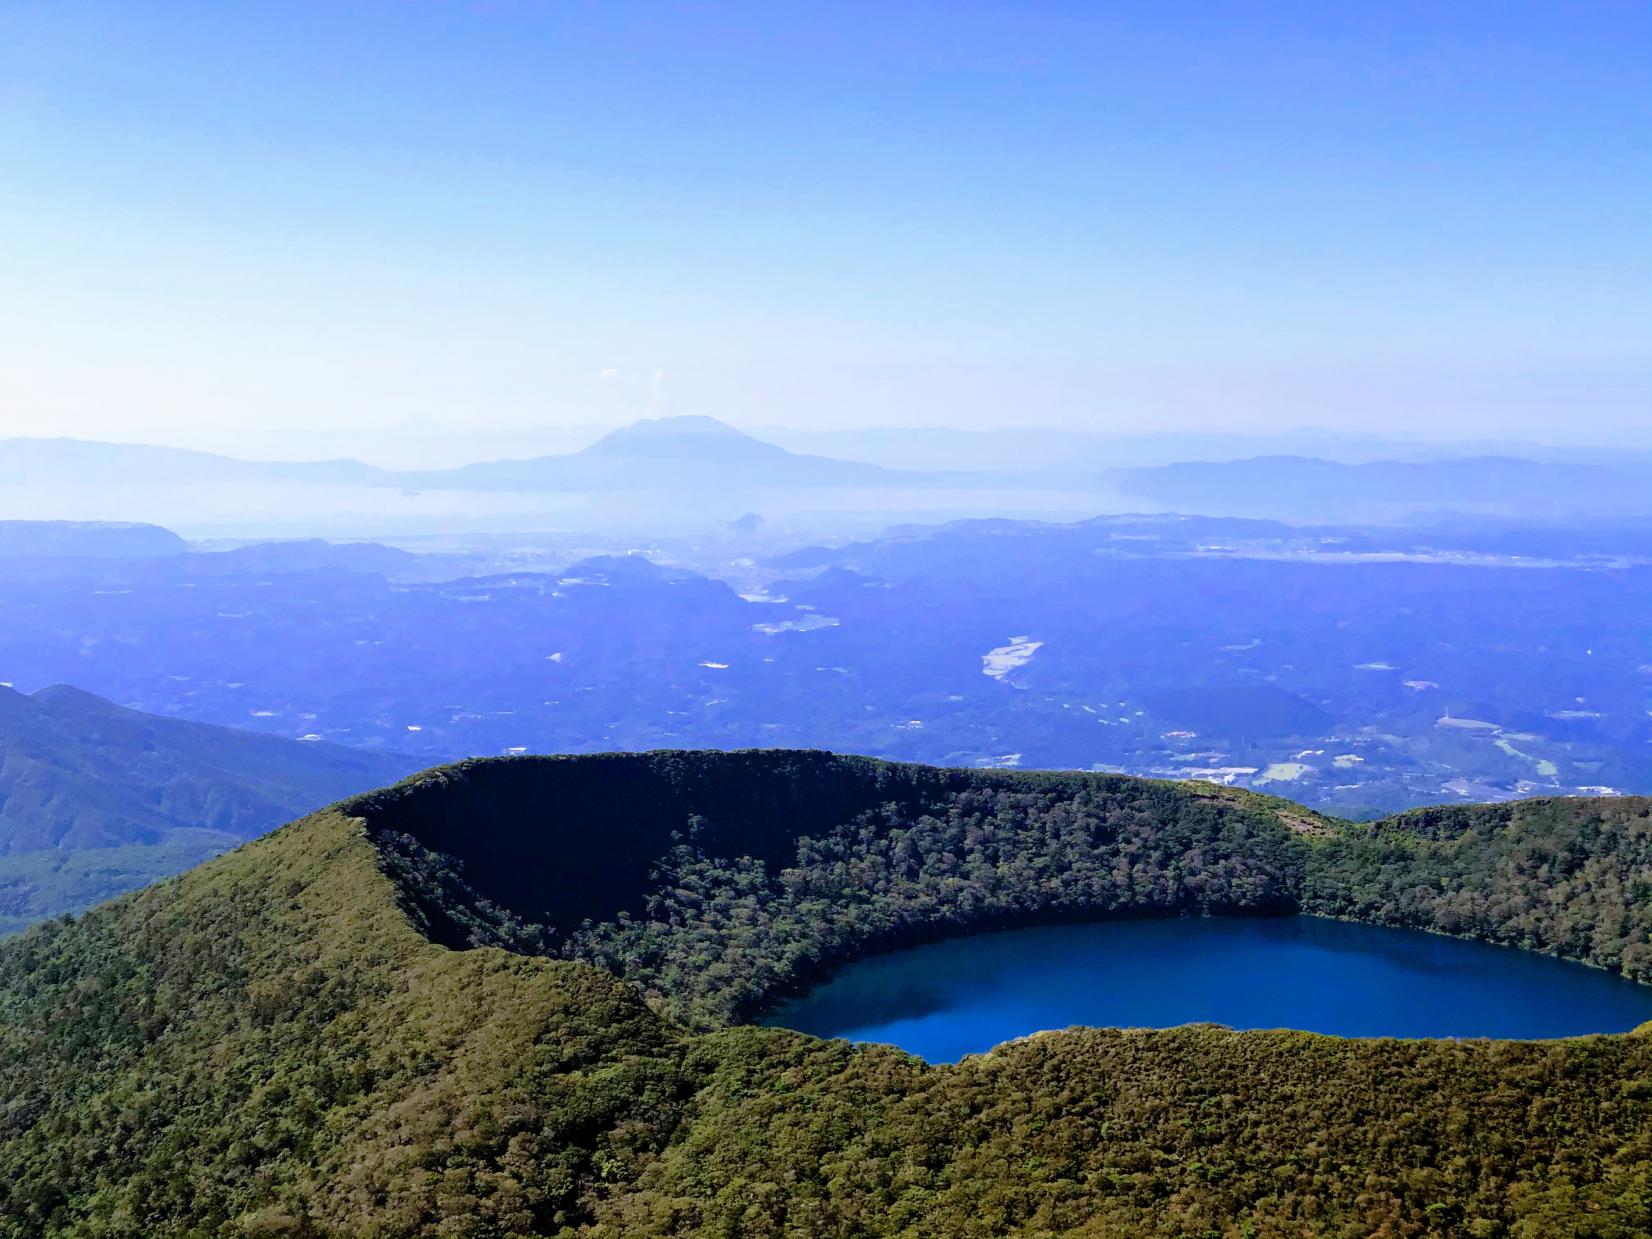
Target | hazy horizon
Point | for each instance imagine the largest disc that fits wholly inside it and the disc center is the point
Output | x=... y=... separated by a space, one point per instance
x=428 y=446
x=760 y=488
x=309 y=231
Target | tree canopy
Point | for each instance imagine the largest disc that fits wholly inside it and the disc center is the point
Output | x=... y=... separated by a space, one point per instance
x=506 y=999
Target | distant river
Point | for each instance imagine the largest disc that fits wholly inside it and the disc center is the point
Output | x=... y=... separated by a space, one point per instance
x=966 y=995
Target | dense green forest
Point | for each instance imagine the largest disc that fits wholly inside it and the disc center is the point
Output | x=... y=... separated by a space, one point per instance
x=384 y=1020
x=48 y=882
x=97 y=799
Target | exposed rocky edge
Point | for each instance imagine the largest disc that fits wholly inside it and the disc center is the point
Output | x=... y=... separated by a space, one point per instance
x=558 y=841
x=720 y=881
x=272 y=1045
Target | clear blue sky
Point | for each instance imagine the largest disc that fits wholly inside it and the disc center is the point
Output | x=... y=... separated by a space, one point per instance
x=271 y=224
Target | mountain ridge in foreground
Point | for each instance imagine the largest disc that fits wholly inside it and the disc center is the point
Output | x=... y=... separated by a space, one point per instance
x=504 y=998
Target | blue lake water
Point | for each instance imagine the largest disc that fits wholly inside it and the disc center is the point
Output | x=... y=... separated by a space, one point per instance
x=962 y=996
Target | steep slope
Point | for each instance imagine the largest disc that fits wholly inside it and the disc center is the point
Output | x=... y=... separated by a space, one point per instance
x=82 y=772
x=96 y=798
x=280 y=1043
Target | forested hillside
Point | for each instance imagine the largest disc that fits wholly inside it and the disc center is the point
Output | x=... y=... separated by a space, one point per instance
x=96 y=799
x=718 y=880
x=300 y=1038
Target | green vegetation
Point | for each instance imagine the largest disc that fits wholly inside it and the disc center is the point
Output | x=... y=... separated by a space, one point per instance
x=285 y=1042
x=96 y=799
x=1569 y=877
x=52 y=881
x=719 y=937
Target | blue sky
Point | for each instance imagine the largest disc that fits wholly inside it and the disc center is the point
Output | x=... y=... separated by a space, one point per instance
x=309 y=226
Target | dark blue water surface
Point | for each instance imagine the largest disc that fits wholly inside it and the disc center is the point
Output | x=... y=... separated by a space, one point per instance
x=962 y=996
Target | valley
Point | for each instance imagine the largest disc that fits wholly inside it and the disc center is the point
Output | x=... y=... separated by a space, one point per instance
x=1361 y=671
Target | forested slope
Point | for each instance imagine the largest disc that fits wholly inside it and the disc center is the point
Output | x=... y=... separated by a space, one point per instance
x=96 y=799
x=78 y=771
x=285 y=1041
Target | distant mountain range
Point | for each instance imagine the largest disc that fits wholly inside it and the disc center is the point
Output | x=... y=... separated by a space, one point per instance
x=96 y=798
x=116 y=554
x=86 y=540
x=697 y=470
x=1306 y=489
x=668 y=453
x=87 y=461
x=674 y=452
x=1054 y=450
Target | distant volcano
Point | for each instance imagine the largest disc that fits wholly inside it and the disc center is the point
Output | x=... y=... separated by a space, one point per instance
x=666 y=453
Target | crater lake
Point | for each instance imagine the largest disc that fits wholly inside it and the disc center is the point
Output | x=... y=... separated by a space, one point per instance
x=947 y=999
